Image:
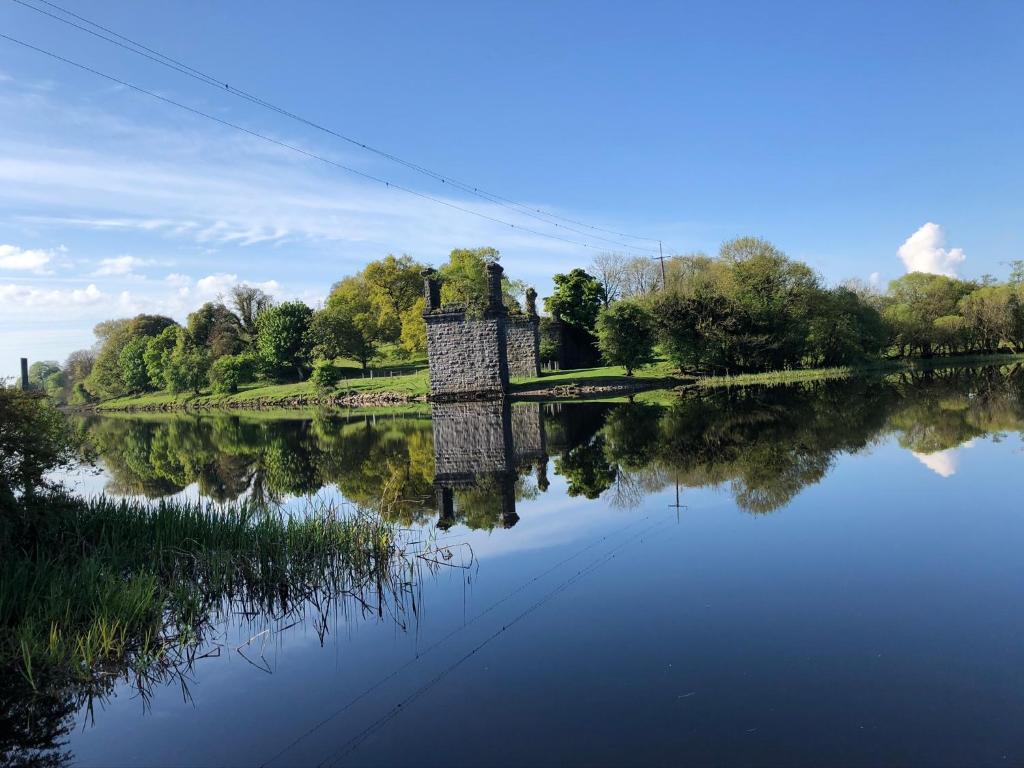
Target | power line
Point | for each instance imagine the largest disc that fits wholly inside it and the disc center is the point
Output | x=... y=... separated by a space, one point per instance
x=185 y=69
x=292 y=147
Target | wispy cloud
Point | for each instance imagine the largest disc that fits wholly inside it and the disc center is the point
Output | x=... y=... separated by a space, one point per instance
x=119 y=265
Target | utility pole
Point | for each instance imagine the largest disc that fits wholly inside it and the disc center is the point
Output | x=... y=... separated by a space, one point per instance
x=24 y=374
x=661 y=257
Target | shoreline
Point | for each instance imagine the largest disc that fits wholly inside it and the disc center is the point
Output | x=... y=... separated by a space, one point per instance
x=580 y=384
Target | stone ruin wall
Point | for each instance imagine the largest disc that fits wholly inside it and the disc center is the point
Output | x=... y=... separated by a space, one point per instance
x=465 y=356
x=522 y=345
x=473 y=358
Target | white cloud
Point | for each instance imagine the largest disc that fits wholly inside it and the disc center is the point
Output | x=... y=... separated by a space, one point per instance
x=925 y=251
x=119 y=265
x=875 y=279
x=943 y=463
x=26 y=297
x=33 y=260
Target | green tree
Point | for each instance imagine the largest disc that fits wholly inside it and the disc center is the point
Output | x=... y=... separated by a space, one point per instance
x=577 y=299
x=132 y=365
x=281 y=341
x=112 y=336
x=625 y=335
x=994 y=315
x=158 y=355
x=395 y=285
x=248 y=303
x=188 y=367
x=35 y=439
x=844 y=329
x=229 y=371
x=414 y=329
x=39 y=371
x=464 y=280
x=917 y=300
x=216 y=328
x=349 y=325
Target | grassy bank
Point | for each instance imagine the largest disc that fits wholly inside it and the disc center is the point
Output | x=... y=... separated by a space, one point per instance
x=392 y=391
x=407 y=387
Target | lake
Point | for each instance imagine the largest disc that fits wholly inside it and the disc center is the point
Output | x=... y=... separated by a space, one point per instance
x=812 y=574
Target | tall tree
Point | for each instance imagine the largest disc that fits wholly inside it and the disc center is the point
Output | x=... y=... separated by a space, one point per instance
x=577 y=299
x=610 y=271
x=625 y=335
x=249 y=303
x=281 y=340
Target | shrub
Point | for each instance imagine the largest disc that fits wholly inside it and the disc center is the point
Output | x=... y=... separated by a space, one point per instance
x=227 y=372
x=325 y=375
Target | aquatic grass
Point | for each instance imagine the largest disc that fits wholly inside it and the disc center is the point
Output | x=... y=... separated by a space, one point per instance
x=94 y=589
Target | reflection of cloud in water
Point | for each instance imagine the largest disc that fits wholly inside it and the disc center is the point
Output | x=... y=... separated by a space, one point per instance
x=943 y=463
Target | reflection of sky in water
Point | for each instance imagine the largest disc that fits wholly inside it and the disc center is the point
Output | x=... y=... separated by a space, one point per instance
x=701 y=633
x=867 y=604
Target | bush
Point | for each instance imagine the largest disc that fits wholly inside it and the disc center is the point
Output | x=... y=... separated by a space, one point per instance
x=227 y=372
x=325 y=375
x=80 y=395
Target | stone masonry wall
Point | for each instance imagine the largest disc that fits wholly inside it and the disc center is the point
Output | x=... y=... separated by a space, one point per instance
x=466 y=357
x=523 y=344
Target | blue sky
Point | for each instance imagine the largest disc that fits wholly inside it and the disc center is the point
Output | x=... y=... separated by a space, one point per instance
x=838 y=131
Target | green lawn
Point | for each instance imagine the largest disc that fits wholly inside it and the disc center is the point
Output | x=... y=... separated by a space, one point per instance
x=269 y=395
x=660 y=376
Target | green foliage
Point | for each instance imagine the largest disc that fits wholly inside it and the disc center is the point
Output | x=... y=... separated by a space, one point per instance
x=132 y=365
x=80 y=395
x=281 y=339
x=577 y=299
x=843 y=329
x=158 y=355
x=414 y=329
x=915 y=302
x=187 y=366
x=325 y=375
x=248 y=303
x=625 y=335
x=105 y=378
x=349 y=326
x=40 y=370
x=464 y=280
x=214 y=327
x=35 y=438
x=229 y=371
x=395 y=285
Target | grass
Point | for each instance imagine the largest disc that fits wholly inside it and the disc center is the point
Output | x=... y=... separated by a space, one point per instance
x=93 y=590
x=416 y=386
x=264 y=395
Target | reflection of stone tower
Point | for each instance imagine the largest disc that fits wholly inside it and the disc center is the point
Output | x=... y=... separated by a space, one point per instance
x=472 y=357
x=483 y=443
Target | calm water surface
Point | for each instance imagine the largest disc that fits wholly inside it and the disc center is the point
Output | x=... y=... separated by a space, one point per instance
x=805 y=575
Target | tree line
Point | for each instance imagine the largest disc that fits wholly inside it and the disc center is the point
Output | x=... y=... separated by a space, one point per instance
x=749 y=308
x=376 y=314
x=752 y=308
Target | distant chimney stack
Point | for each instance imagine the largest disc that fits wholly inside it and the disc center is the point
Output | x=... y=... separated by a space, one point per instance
x=431 y=289
x=24 y=373
x=531 y=302
x=494 y=302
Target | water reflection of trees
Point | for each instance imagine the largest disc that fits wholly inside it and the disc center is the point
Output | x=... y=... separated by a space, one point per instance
x=764 y=444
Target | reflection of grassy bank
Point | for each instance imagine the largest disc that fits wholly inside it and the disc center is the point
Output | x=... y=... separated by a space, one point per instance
x=97 y=591
x=878 y=366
